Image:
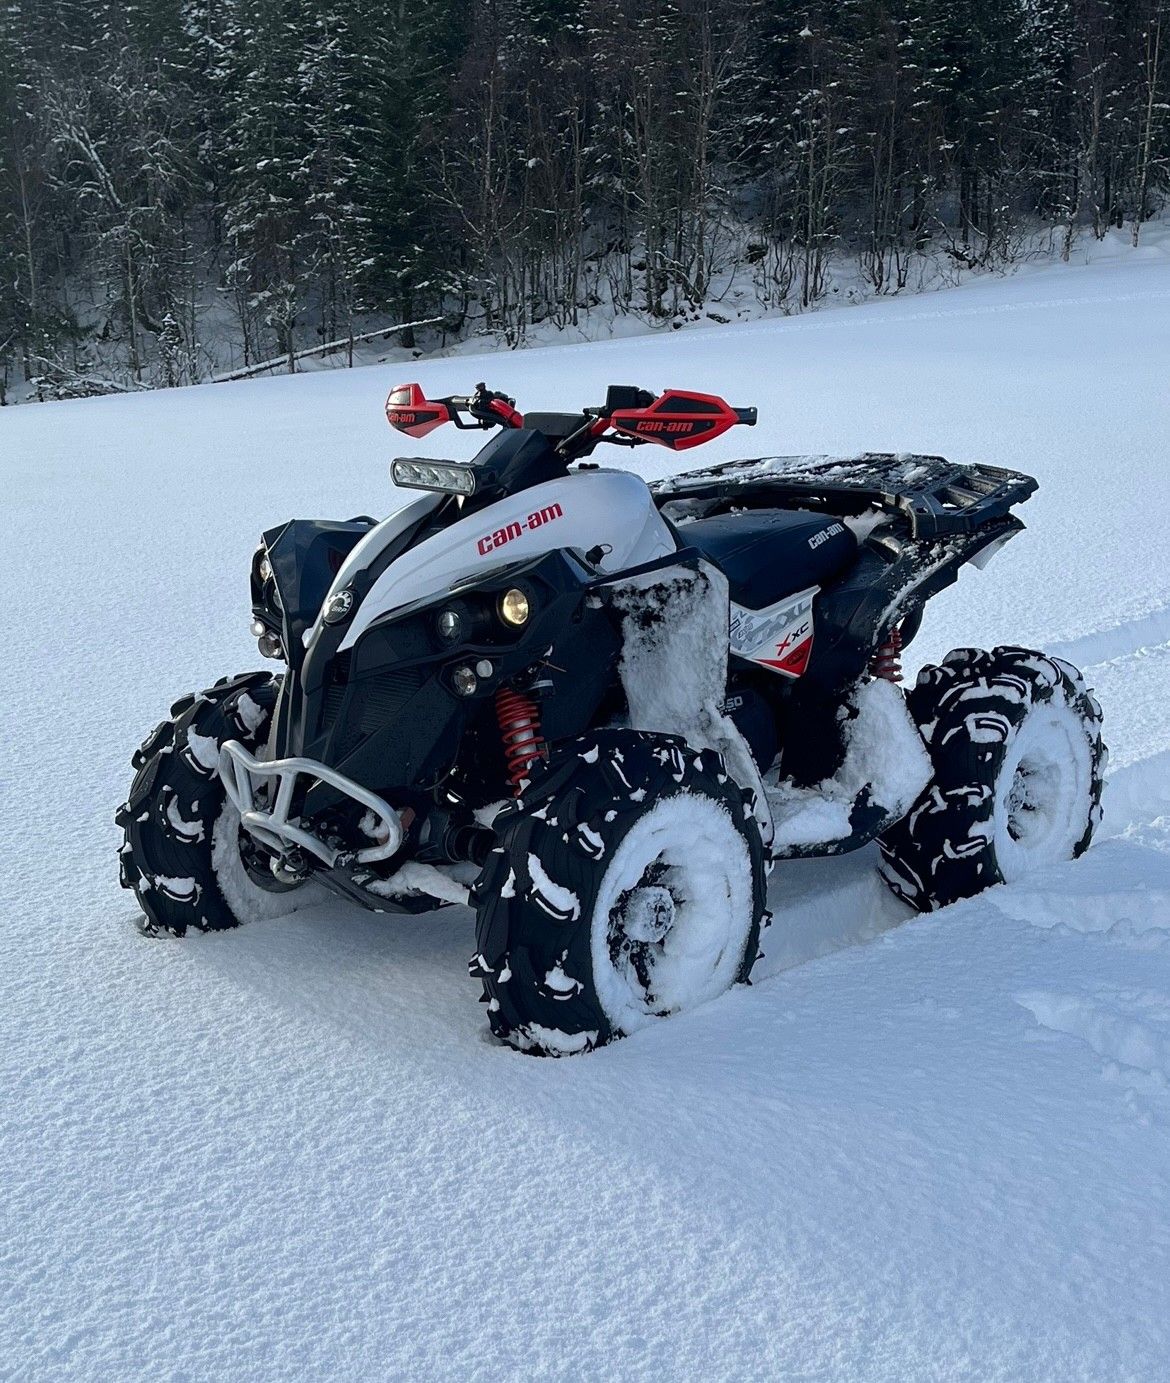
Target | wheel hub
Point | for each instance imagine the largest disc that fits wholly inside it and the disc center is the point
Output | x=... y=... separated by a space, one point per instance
x=1043 y=799
x=639 y=924
x=647 y=914
x=270 y=872
x=1034 y=785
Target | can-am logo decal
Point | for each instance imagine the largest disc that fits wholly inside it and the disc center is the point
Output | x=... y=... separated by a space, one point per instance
x=825 y=534
x=499 y=537
x=658 y=425
x=779 y=637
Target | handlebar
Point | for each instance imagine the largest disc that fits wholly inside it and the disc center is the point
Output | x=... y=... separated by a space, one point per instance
x=676 y=418
x=487 y=406
x=491 y=408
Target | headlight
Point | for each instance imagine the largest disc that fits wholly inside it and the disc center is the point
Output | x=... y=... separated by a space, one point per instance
x=464 y=681
x=514 y=608
x=447 y=477
x=449 y=625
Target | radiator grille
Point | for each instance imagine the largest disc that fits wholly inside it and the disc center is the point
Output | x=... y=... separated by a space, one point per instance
x=335 y=692
x=375 y=702
x=381 y=698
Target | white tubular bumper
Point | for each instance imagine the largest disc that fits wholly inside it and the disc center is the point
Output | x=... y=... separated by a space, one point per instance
x=240 y=772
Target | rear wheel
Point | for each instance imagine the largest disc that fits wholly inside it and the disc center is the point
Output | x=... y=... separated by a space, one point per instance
x=183 y=853
x=628 y=885
x=1015 y=741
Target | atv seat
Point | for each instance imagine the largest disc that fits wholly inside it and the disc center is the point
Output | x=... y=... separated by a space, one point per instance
x=769 y=553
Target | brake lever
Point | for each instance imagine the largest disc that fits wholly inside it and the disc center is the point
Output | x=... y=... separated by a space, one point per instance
x=479 y=425
x=458 y=404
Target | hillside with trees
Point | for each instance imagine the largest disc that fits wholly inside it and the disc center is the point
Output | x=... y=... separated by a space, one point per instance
x=188 y=185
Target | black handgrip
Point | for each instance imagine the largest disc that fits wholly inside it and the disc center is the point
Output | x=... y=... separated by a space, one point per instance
x=748 y=416
x=457 y=404
x=470 y=403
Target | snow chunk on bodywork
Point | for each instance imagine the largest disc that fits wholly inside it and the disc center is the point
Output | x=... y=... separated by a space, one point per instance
x=674 y=665
x=431 y=880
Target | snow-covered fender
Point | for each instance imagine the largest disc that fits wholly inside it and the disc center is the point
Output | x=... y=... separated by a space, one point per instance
x=884 y=769
x=674 y=622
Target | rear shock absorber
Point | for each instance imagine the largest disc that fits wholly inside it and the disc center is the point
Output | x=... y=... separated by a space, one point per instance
x=518 y=717
x=886 y=663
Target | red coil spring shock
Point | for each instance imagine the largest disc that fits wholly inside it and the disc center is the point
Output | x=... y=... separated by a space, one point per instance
x=519 y=721
x=887 y=661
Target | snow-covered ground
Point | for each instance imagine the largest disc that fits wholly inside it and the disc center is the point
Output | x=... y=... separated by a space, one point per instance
x=914 y=1148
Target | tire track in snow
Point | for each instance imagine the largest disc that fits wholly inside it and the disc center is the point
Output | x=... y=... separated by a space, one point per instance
x=1131 y=1029
x=1137 y=793
x=1142 y=637
x=836 y=903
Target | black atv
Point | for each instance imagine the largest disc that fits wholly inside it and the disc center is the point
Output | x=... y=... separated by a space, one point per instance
x=599 y=711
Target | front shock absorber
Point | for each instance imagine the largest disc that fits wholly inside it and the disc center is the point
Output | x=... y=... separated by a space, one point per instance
x=886 y=663
x=518 y=717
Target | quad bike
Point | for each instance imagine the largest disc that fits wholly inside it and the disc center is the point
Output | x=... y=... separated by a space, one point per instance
x=599 y=711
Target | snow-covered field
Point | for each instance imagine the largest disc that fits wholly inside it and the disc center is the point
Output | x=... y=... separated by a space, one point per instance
x=914 y=1148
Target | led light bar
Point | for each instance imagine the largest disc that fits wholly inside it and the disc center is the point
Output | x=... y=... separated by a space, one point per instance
x=448 y=477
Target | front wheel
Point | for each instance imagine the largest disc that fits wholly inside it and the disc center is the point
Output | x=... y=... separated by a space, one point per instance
x=628 y=884
x=183 y=851
x=1015 y=741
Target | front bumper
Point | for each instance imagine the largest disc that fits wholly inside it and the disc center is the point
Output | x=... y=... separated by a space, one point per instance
x=273 y=825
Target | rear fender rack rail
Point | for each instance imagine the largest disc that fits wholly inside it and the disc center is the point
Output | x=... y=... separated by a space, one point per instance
x=936 y=497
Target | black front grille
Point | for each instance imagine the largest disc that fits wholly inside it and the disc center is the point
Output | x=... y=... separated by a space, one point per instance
x=357 y=709
x=337 y=688
x=379 y=699
x=333 y=700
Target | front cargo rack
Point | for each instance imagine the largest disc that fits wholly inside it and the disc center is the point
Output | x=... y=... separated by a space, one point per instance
x=936 y=497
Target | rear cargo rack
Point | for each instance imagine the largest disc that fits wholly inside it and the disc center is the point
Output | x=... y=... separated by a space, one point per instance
x=936 y=497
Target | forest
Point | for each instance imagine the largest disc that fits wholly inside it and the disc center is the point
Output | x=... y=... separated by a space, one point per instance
x=193 y=186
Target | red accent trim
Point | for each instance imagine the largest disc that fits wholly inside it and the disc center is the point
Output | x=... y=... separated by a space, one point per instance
x=793 y=664
x=674 y=426
x=507 y=412
x=519 y=720
x=410 y=411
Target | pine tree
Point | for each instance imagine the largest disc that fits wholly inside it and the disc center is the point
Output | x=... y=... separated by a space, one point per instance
x=508 y=162
x=261 y=144
x=404 y=72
